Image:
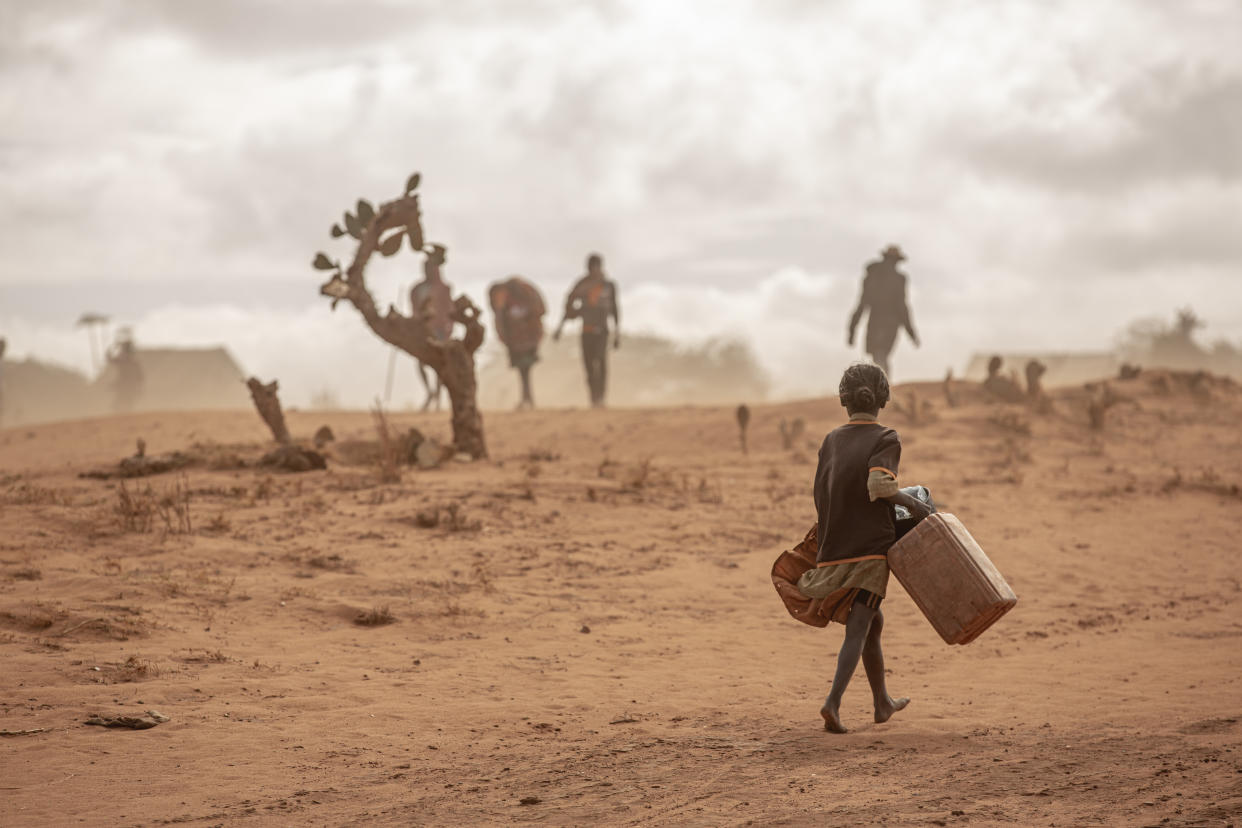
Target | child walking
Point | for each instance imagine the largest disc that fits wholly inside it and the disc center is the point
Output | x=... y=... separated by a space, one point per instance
x=856 y=493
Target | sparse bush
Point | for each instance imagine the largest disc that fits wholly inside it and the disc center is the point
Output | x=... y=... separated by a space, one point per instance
x=218 y=524
x=542 y=455
x=173 y=508
x=639 y=476
x=135 y=509
x=389 y=454
x=1012 y=422
x=377 y=616
x=454 y=519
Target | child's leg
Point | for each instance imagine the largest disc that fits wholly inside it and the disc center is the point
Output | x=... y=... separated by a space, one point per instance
x=873 y=663
x=856 y=627
x=527 y=397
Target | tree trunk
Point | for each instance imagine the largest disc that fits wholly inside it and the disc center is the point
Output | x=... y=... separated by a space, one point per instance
x=458 y=377
x=268 y=405
x=453 y=361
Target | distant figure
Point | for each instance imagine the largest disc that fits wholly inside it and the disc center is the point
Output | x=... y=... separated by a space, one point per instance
x=432 y=300
x=594 y=299
x=884 y=295
x=127 y=385
x=1000 y=386
x=519 y=311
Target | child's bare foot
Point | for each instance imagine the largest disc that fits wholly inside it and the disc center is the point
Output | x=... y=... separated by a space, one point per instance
x=885 y=709
x=832 y=718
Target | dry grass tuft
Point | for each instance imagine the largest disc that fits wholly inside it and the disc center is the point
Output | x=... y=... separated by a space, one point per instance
x=332 y=563
x=1206 y=481
x=137 y=510
x=218 y=524
x=135 y=669
x=35 y=618
x=1011 y=422
x=454 y=519
x=376 y=617
x=389 y=453
x=639 y=476
x=541 y=455
x=29 y=495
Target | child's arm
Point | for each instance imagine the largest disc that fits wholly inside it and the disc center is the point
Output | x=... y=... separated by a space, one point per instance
x=882 y=485
x=918 y=509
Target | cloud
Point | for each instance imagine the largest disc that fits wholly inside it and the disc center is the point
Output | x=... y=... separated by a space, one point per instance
x=1169 y=127
x=1034 y=158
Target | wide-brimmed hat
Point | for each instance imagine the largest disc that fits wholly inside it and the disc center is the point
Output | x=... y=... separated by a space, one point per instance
x=893 y=252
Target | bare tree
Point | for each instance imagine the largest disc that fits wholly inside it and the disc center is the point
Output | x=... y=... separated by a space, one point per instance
x=452 y=359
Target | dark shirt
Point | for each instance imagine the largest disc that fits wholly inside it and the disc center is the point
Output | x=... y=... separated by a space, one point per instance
x=884 y=293
x=850 y=524
x=594 y=300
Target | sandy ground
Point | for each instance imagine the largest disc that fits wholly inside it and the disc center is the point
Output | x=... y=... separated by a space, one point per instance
x=592 y=637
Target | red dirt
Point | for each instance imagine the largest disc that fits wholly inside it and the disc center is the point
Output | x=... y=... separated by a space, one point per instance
x=606 y=646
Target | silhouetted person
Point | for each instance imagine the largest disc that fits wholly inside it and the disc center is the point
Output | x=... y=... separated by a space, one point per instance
x=594 y=299
x=1000 y=386
x=519 y=311
x=884 y=296
x=127 y=384
x=432 y=300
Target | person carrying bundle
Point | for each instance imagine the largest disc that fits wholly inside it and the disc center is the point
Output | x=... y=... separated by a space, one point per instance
x=856 y=501
x=519 y=311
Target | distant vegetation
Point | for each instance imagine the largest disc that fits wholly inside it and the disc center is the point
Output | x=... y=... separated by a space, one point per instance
x=1158 y=343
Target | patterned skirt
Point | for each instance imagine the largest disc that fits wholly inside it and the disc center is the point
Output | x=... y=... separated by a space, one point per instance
x=815 y=594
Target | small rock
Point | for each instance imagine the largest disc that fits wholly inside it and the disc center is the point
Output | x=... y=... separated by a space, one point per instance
x=585 y=629
x=529 y=800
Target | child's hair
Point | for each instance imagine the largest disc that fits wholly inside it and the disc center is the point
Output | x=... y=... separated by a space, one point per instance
x=864 y=387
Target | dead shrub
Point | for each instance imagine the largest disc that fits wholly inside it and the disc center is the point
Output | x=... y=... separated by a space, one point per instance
x=709 y=493
x=264 y=489
x=1011 y=422
x=455 y=520
x=135 y=669
x=37 y=617
x=389 y=454
x=639 y=476
x=135 y=509
x=173 y=508
x=541 y=455
x=218 y=524
x=376 y=617
x=332 y=563
x=29 y=495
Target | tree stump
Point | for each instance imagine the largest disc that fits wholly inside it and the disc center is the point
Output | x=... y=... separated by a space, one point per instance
x=268 y=405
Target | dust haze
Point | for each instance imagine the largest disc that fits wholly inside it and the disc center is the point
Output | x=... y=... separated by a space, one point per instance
x=482 y=413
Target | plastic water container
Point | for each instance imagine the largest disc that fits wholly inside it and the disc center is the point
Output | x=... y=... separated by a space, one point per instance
x=950 y=579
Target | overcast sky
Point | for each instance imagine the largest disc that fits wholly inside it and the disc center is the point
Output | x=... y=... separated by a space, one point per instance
x=1054 y=170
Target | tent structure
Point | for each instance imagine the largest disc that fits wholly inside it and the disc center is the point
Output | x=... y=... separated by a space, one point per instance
x=181 y=378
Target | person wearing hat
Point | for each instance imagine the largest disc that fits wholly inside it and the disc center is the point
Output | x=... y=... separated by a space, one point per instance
x=593 y=300
x=884 y=298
